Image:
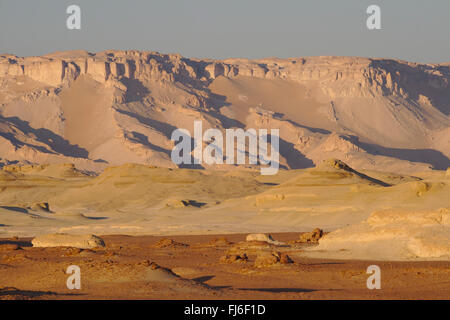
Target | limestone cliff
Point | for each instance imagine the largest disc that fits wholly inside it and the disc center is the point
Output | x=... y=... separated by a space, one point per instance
x=121 y=106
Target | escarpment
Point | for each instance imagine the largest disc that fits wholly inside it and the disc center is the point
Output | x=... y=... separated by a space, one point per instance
x=378 y=75
x=114 y=107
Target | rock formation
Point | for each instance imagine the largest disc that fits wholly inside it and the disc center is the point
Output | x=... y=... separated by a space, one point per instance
x=68 y=240
x=393 y=235
x=115 y=107
x=266 y=259
x=262 y=237
x=313 y=236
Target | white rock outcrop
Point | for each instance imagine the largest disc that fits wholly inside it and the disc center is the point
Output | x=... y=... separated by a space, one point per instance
x=392 y=235
x=82 y=241
x=262 y=237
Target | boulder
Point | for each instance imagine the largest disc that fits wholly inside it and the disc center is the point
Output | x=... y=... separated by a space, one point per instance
x=40 y=206
x=263 y=238
x=169 y=243
x=266 y=259
x=230 y=257
x=82 y=241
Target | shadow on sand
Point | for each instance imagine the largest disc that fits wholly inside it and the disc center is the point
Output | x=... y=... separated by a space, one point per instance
x=14 y=293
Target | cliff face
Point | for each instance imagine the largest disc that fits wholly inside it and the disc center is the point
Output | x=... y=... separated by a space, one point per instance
x=356 y=75
x=370 y=110
x=57 y=71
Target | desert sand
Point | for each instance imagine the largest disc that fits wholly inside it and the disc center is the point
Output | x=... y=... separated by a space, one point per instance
x=193 y=267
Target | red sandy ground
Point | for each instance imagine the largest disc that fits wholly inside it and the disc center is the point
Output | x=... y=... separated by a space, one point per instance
x=115 y=272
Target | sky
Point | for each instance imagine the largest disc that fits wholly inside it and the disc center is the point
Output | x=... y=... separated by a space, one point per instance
x=413 y=30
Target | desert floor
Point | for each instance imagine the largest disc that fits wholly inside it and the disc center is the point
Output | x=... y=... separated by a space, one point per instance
x=120 y=270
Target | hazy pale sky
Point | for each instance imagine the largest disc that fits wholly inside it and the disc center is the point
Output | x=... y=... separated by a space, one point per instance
x=415 y=30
